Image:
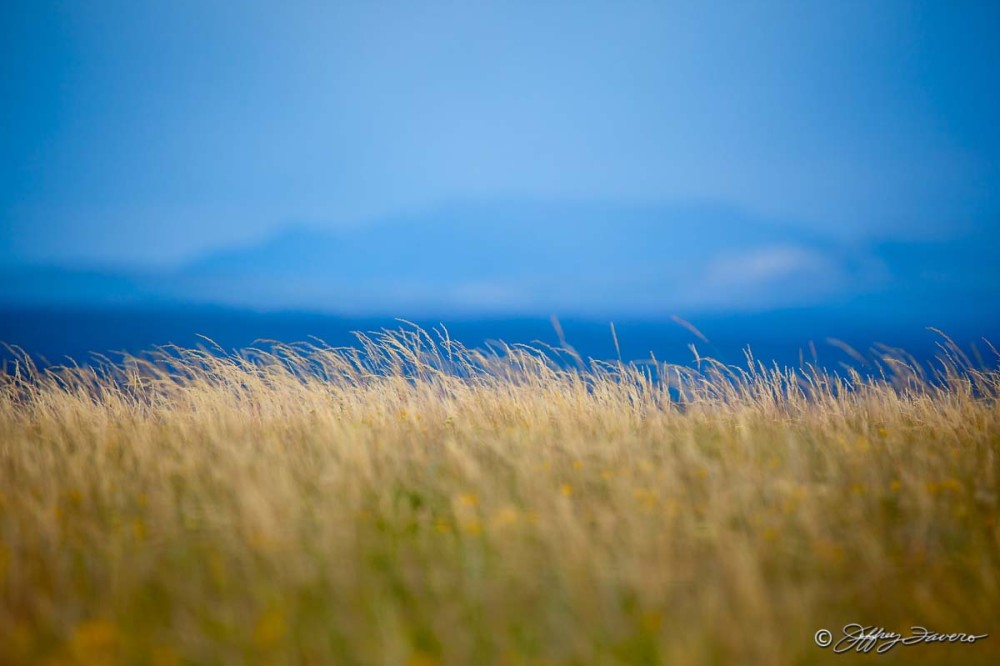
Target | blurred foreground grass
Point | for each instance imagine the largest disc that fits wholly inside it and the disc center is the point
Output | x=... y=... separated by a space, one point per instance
x=415 y=502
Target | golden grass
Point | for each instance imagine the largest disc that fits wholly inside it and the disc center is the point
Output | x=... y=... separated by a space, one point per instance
x=418 y=502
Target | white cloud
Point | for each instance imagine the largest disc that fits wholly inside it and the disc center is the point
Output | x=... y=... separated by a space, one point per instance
x=768 y=265
x=776 y=275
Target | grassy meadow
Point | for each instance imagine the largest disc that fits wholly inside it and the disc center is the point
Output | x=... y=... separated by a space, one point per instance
x=412 y=501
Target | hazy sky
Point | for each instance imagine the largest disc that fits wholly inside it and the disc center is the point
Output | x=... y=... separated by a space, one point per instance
x=152 y=131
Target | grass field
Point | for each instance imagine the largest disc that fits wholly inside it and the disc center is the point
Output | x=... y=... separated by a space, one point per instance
x=415 y=502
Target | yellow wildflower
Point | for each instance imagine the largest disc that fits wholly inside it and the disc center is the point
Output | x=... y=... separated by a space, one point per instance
x=506 y=516
x=270 y=629
x=422 y=659
x=95 y=640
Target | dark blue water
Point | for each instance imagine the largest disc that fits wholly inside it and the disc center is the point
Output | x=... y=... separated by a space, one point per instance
x=786 y=337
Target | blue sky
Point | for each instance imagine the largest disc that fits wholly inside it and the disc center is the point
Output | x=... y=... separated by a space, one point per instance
x=152 y=133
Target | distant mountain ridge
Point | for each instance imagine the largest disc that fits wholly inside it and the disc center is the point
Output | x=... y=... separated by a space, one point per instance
x=534 y=258
x=516 y=257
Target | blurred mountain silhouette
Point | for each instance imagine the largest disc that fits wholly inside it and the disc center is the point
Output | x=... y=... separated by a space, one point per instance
x=530 y=258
